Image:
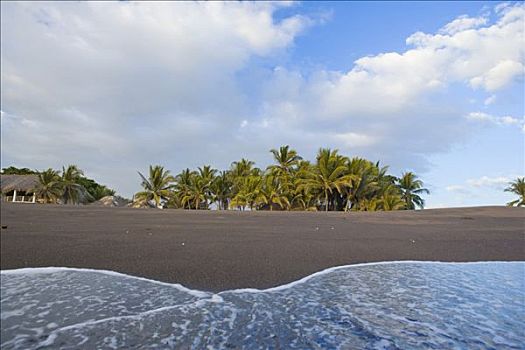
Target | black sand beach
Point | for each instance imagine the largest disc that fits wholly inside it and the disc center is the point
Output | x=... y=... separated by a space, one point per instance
x=210 y=250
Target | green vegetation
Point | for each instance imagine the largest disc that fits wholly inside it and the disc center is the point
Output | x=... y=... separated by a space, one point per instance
x=49 y=188
x=411 y=187
x=156 y=187
x=69 y=186
x=18 y=171
x=517 y=187
x=333 y=183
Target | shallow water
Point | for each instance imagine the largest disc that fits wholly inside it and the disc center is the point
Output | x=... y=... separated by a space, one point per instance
x=400 y=305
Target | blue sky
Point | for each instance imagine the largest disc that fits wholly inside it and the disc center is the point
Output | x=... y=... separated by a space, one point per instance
x=434 y=87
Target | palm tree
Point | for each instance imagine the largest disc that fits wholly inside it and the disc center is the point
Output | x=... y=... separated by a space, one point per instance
x=300 y=197
x=284 y=170
x=327 y=176
x=73 y=192
x=249 y=192
x=221 y=189
x=391 y=199
x=157 y=186
x=207 y=175
x=517 y=187
x=362 y=184
x=242 y=168
x=286 y=159
x=272 y=193
x=411 y=187
x=196 y=192
x=183 y=185
x=49 y=187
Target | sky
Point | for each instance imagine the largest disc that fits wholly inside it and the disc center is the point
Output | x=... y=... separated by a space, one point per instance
x=431 y=87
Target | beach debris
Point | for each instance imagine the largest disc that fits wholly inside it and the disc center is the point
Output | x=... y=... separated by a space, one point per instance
x=317 y=228
x=413 y=241
x=331 y=228
x=4 y=227
x=182 y=243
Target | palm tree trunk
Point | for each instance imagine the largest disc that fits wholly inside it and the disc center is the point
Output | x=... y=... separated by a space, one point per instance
x=326 y=200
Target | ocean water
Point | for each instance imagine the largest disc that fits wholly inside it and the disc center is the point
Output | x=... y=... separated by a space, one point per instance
x=398 y=305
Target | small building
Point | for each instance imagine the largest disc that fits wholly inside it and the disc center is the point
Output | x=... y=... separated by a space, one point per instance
x=18 y=188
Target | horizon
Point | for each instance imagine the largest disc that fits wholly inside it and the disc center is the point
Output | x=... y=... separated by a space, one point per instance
x=116 y=87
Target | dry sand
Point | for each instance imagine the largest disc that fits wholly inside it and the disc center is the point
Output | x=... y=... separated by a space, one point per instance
x=219 y=250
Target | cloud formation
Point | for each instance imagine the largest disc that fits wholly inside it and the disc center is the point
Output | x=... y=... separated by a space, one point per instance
x=488 y=182
x=116 y=86
x=485 y=118
x=394 y=106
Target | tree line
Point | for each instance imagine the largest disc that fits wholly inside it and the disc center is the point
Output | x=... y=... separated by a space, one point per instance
x=333 y=182
x=68 y=186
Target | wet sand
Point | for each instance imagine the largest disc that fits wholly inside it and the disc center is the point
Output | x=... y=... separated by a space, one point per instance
x=219 y=250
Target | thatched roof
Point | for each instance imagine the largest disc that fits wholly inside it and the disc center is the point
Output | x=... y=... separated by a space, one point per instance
x=24 y=183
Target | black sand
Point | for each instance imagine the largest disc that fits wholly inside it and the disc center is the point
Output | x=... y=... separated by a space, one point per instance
x=210 y=250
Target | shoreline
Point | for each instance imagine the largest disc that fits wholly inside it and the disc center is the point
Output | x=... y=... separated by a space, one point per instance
x=204 y=294
x=225 y=250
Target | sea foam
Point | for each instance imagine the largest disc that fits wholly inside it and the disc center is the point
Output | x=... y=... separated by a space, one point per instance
x=386 y=305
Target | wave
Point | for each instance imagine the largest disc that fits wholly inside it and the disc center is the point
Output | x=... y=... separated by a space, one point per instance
x=383 y=305
x=53 y=269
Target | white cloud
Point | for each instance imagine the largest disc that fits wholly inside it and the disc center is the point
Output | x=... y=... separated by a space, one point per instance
x=116 y=86
x=455 y=188
x=463 y=23
x=495 y=182
x=490 y=100
x=398 y=95
x=487 y=118
x=480 y=116
x=486 y=181
x=499 y=75
x=354 y=140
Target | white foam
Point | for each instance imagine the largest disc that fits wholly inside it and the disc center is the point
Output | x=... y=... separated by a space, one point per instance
x=221 y=314
x=39 y=270
x=204 y=294
x=335 y=268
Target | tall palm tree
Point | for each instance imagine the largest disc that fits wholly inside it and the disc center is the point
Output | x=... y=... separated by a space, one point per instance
x=49 y=186
x=517 y=187
x=182 y=187
x=73 y=192
x=249 y=192
x=286 y=164
x=197 y=191
x=207 y=175
x=362 y=184
x=300 y=196
x=157 y=186
x=221 y=189
x=411 y=188
x=285 y=159
x=327 y=176
x=242 y=168
x=391 y=199
x=272 y=193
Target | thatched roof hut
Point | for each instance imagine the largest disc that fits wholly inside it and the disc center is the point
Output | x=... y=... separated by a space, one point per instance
x=20 y=183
